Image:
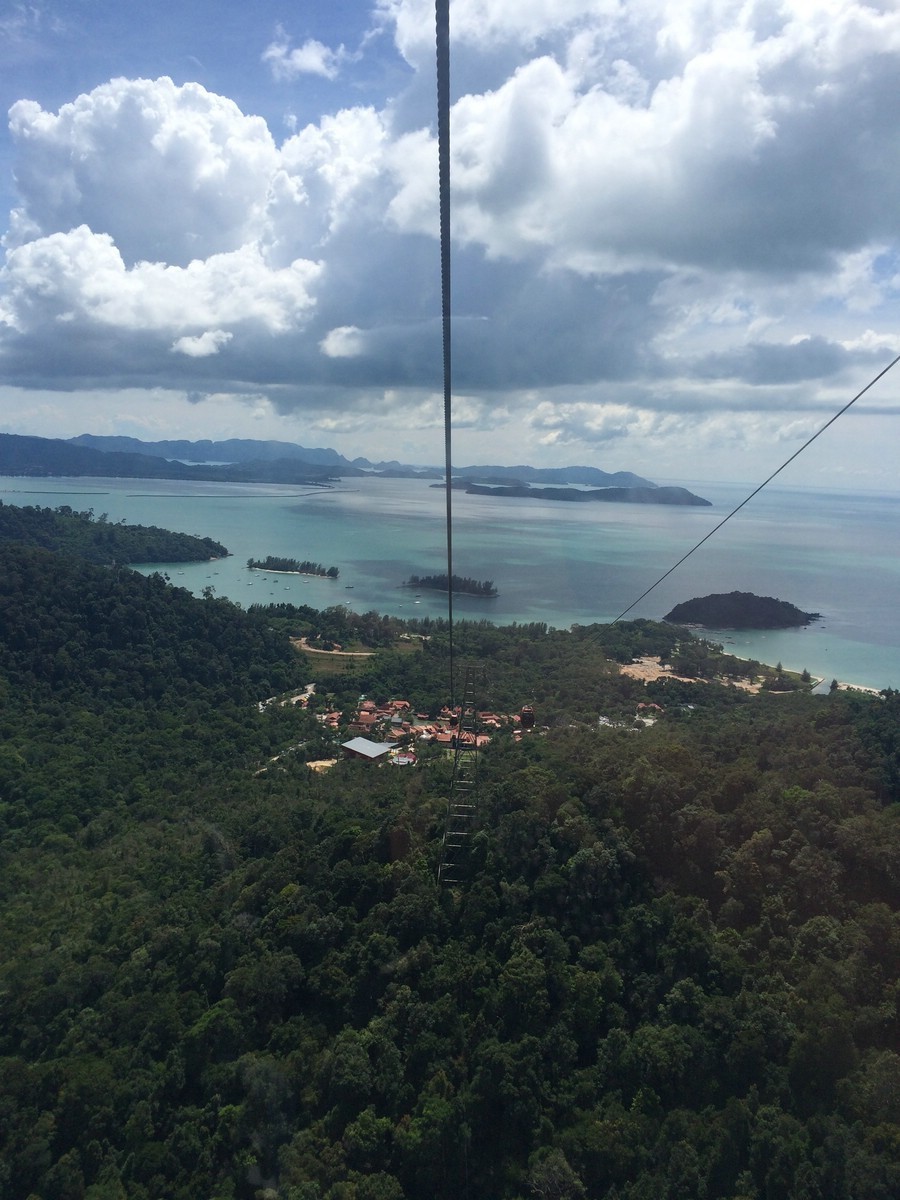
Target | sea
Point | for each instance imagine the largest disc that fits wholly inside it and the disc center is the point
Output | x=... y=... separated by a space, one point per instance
x=833 y=552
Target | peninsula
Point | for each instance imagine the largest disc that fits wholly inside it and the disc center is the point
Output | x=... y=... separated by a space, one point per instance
x=96 y=539
x=739 y=610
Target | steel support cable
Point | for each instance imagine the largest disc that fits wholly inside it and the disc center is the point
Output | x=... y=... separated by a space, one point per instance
x=442 y=42
x=881 y=374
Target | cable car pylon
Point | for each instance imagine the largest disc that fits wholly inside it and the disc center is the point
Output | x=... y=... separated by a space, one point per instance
x=462 y=803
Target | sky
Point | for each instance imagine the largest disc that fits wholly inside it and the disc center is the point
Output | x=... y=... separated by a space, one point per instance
x=675 y=229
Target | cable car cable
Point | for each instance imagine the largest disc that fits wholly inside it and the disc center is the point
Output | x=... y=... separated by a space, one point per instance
x=442 y=47
x=756 y=491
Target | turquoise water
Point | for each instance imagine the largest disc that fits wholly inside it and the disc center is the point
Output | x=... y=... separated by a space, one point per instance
x=837 y=553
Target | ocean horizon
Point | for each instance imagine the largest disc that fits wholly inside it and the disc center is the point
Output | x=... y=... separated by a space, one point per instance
x=828 y=551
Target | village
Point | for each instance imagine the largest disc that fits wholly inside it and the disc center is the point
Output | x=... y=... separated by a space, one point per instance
x=391 y=732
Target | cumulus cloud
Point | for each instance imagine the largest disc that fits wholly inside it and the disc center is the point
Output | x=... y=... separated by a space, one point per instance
x=312 y=58
x=559 y=424
x=659 y=208
x=344 y=342
x=209 y=342
x=745 y=153
x=337 y=163
x=171 y=174
x=81 y=277
x=668 y=439
x=490 y=24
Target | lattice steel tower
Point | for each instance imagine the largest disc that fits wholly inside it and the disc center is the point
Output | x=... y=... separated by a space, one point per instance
x=462 y=807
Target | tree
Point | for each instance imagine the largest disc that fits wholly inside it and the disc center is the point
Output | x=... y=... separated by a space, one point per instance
x=552 y=1178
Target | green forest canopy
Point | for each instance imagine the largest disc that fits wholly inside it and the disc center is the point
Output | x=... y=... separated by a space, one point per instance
x=99 y=540
x=673 y=972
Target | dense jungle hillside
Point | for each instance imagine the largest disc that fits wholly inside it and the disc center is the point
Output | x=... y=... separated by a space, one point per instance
x=673 y=972
x=100 y=540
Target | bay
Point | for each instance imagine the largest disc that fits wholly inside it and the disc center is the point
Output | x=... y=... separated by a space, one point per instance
x=833 y=552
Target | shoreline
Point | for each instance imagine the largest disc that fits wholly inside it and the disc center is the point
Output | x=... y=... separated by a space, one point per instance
x=310 y=574
x=648 y=668
x=820 y=679
x=858 y=644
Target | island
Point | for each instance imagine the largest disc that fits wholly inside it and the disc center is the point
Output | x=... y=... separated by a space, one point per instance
x=609 y=495
x=739 y=610
x=460 y=583
x=291 y=566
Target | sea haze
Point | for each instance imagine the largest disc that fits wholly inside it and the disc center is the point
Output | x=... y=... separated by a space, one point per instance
x=837 y=553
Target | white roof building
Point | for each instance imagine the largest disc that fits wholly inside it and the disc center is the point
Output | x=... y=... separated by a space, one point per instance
x=360 y=747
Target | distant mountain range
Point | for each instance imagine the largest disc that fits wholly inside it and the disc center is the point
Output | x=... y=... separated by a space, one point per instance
x=35 y=456
x=247 y=450
x=244 y=460
x=234 y=450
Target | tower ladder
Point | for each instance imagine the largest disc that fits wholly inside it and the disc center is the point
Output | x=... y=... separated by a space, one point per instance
x=462 y=807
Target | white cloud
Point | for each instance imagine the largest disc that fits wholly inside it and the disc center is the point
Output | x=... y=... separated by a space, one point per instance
x=563 y=423
x=487 y=24
x=344 y=342
x=884 y=343
x=312 y=58
x=661 y=443
x=469 y=412
x=663 y=210
x=856 y=281
x=412 y=160
x=205 y=344
x=80 y=276
x=732 y=141
x=336 y=162
x=169 y=173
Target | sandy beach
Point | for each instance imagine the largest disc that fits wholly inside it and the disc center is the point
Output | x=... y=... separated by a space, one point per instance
x=649 y=668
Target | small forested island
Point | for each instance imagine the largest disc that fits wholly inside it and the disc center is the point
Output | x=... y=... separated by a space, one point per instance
x=291 y=566
x=461 y=583
x=99 y=540
x=740 y=610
